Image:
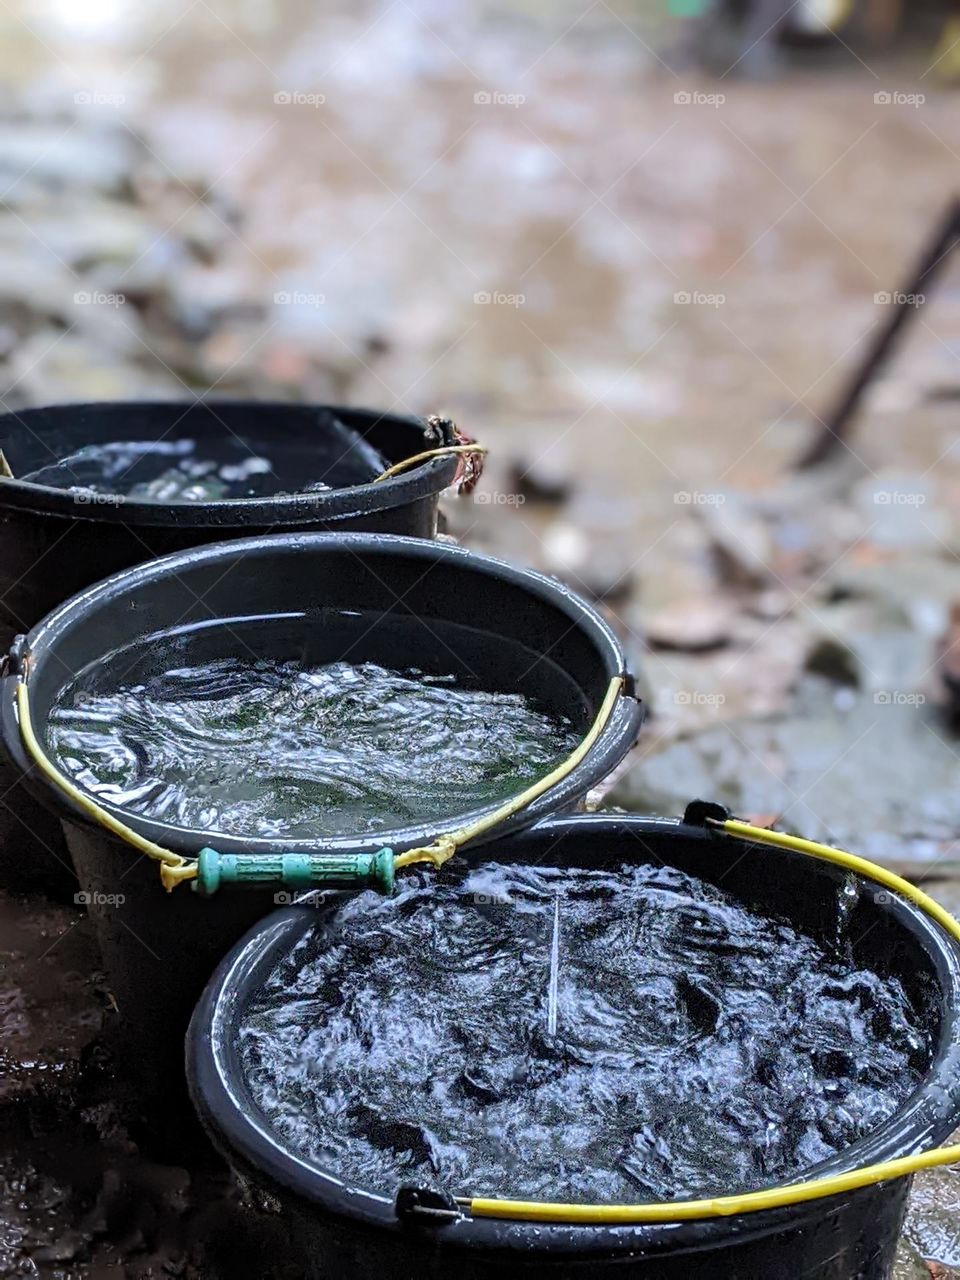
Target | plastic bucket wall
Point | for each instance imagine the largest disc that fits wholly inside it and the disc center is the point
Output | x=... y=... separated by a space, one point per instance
x=160 y=948
x=343 y=1232
x=53 y=544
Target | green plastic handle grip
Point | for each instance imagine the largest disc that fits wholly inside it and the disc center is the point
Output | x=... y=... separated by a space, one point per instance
x=294 y=871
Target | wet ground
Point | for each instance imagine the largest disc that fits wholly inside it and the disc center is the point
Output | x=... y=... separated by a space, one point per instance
x=640 y=284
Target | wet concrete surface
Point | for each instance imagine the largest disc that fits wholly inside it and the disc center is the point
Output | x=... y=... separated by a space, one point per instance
x=641 y=285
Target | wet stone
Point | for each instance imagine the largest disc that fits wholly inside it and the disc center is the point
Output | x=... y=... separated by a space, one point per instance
x=870 y=771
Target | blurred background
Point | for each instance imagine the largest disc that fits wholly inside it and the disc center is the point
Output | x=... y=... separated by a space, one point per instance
x=638 y=249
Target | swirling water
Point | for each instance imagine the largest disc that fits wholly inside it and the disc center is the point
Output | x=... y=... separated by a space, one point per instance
x=699 y=1047
x=181 y=469
x=283 y=748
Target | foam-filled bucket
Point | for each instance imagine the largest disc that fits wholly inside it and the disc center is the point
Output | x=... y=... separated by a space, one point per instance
x=343 y=1228
x=62 y=530
x=317 y=598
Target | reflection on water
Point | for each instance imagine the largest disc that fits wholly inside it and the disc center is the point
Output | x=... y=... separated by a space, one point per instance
x=269 y=748
x=178 y=469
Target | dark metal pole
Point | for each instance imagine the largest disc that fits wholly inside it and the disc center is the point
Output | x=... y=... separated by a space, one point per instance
x=903 y=306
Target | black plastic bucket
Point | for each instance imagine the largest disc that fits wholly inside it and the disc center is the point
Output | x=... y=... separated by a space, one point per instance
x=340 y=1231
x=512 y=625
x=55 y=542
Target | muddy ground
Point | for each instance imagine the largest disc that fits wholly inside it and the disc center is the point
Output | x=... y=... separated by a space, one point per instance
x=642 y=284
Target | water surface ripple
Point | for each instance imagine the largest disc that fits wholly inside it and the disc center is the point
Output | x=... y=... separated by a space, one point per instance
x=280 y=748
x=700 y=1047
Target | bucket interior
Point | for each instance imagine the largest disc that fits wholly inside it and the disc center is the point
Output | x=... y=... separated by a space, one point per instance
x=433 y=646
x=396 y=603
x=887 y=936
x=298 y=447
x=320 y=603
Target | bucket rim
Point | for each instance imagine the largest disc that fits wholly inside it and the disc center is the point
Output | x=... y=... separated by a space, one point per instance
x=420 y=481
x=924 y=1119
x=618 y=736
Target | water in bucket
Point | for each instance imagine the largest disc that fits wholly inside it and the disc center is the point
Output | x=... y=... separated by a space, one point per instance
x=274 y=741
x=594 y=1035
x=222 y=466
